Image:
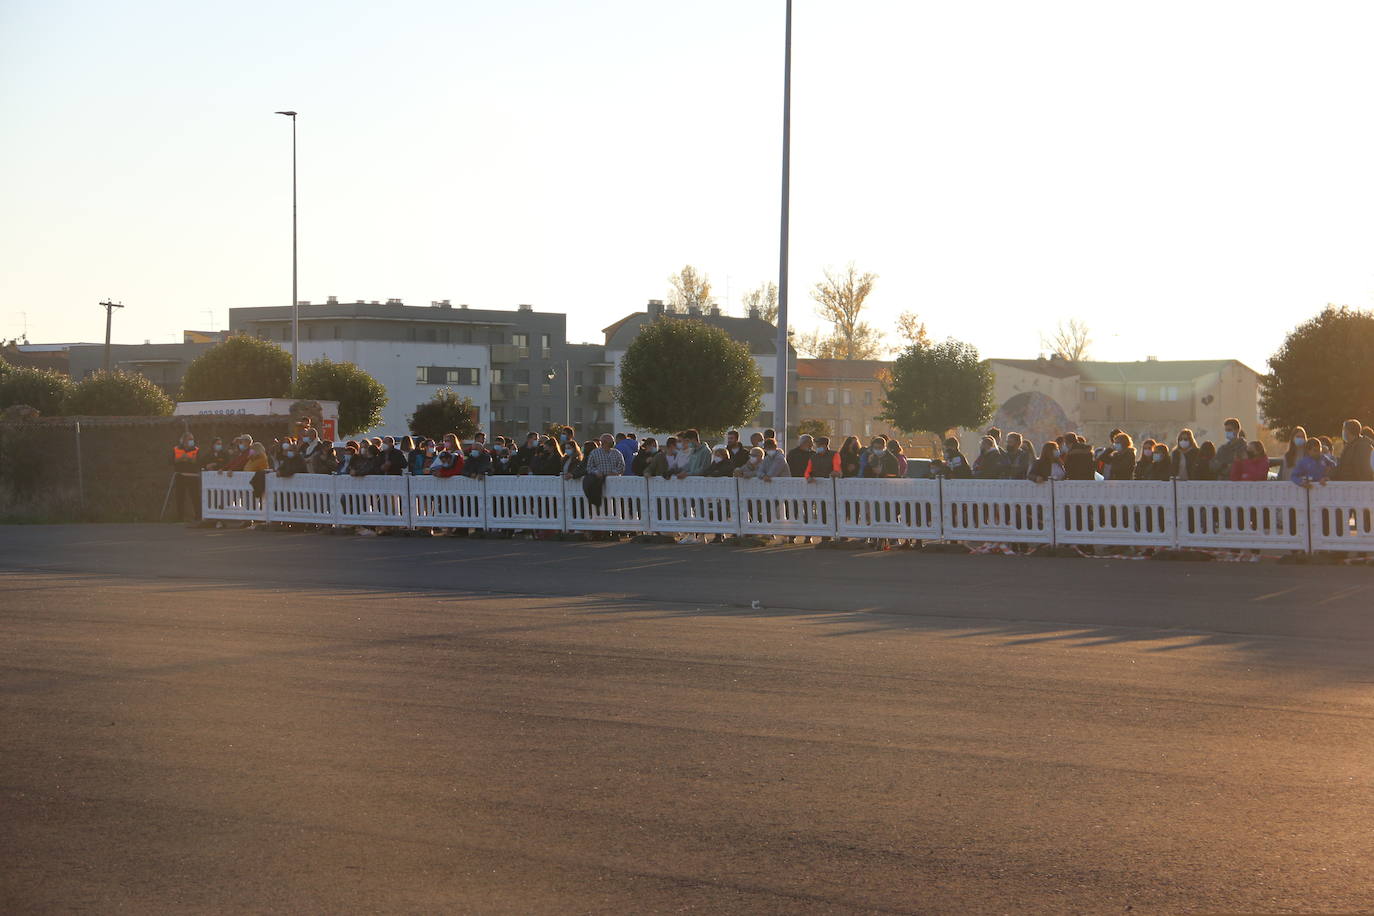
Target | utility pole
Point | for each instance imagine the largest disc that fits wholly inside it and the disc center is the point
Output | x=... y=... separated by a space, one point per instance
x=295 y=303
x=109 y=313
x=780 y=385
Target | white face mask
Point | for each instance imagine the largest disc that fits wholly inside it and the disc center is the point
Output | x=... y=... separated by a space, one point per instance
x=1117 y=446
x=1299 y=441
x=190 y=443
x=1184 y=444
x=1159 y=456
x=1230 y=435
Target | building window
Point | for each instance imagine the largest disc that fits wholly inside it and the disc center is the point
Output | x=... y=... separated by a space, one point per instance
x=847 y=396
x=1141 y=394
x=830 y=395
x=522 y=415
x=446 y=375
x=498 y=414
x=577 y=391
x=548 y=415
x=768 y=384
x=545 y=351
x=338 y=332
x=546 y=389
x=496 y=376
x=1168 y=393
x=286 y=333
x=868 y=397
x=806 y=395
x=1090 y=394
x=577 y=378
x=846 y=427
x=522 y=343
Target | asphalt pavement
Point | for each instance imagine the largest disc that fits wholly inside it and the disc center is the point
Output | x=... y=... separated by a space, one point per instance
x=231 y=721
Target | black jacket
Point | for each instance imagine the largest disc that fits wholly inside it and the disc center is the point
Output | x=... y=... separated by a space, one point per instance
x=1078 y=464
x=1120 y=464
x=1197 y=464
x=797 y=460
x=1354 y=461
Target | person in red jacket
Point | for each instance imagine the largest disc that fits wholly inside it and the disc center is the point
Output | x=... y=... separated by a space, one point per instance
x=1255 y=464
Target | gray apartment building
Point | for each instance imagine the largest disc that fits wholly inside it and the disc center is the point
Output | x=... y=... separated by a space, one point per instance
x=517 y=364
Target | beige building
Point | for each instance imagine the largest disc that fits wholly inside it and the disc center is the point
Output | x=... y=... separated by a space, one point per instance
x=1150 y=399
x=846 y=395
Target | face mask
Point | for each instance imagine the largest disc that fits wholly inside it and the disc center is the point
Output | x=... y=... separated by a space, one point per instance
x=1299 y=441
x=242 y=447
x=475 y=452
x=1230 y=436
x=956 y=461
x=290 y=453
x=1159 y=456
x=500 y=449
x=1184 y=444
x=190 y=443
x=562 y=438
x=218 y=447
x=1117 y=446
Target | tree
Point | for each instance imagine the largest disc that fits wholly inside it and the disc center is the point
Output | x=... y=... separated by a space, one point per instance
x=936 y=387
x=765 y=299
x=241 y=367
x=912 y=329
x=118 y=394
x=1322 y=375
x=446 y=412
x=690 y=289
x=682 y=373
x=45 y=390
x=813 y=428
x=1069 y=342
x=361 y=397
x=840 y=300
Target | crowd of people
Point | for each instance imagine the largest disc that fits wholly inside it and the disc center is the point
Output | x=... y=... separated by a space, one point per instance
x=1308 y=461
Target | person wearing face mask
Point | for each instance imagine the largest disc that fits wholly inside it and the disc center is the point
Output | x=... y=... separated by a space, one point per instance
x=648 y=448
x=824 y=463
x=238 y=455
x=1046 y=468
x=799 y=458
x=771 y=463
x=1118 y=463
x=722 y=465
x=1158 y=466
x=290 y=463
x=1314 y=467
x=850 y=458
x=1018 y=459
x=214 y=457
x=752 y=469
x=1297 y=441
x=991 y=462
x=954 y=466
x=186 y=462
x=878 y=462
x=1354 y=461
x=1230 y=451
x=317 y=456
x=471 y=460
x=664 y=462
x=574 y=461
x=696 y=457
x=1142 y=465
x=393 y=463
x=343 y=457
x=1187 y=461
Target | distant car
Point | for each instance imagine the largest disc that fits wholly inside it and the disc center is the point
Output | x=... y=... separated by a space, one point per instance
x=920 y=468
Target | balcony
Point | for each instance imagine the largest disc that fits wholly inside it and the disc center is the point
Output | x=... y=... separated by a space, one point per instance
x=506 y=353
x=603 y=394
x=500 y=393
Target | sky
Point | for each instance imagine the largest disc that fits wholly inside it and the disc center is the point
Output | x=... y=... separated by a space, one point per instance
x=1190 y=179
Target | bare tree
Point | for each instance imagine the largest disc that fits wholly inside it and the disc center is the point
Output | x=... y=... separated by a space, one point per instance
x=840 y=299
x=1070 y=340
x=689 y=289
x=765 y=299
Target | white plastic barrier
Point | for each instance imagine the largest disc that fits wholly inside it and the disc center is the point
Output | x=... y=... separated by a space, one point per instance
x=373 y=501
x=1136 y=513
x=624 y=506
x=697 y=505
x=887 y=508
x=1342 y=516
x=525 y=503
x=447 y=502
x=1016 y=511
x=1254 y=515
x=304 y=498
x=787 y=506
x=229 y=495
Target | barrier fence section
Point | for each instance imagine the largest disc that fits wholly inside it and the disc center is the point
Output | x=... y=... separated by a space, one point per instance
x=525 y=503
x=787 y=506
x=624 y=506
x=1139 y=513
x=1342 y=516
x=1232 y=515
x=1253 y=516
x=1016 y=511
x=697 y=505
x=229 y=495
x=447 y=502
x=887 y=508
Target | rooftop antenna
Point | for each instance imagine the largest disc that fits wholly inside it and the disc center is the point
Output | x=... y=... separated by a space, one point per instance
x=211 y=313
x=109 y=314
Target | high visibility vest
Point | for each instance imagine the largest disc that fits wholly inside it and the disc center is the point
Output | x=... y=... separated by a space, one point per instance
x=185 y=454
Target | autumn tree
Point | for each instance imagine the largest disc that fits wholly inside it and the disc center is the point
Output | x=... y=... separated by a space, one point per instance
x=912 y=329
x=840 y=301
x=689 y=289
x=1070 y=340
x=1323 y=374
x=764 y=298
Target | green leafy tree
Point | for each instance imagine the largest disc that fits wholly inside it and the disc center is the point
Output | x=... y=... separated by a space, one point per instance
x=680 y=373
x=1322 y=375
x=813 y=428
x=935 y=387
x=446 y=412
x=45 y=390
x=361 y=397
x=118 y=394
x=241 y=367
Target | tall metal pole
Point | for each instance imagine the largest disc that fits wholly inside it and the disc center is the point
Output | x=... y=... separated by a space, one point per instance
x=567 y=392
x=109 y=313
x=780 y=385
x=295 y=299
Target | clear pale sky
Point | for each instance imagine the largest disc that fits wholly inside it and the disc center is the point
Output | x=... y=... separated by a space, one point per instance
x=1192 y=179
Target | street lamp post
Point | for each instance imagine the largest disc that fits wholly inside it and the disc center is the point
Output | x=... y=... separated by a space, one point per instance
x=780 y=385
x=295 y=300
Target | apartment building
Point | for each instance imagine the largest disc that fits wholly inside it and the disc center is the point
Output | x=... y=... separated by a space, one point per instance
x=844 y=394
